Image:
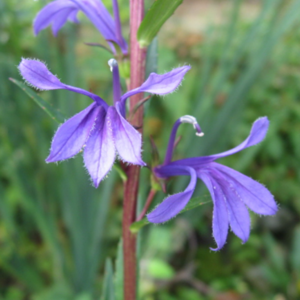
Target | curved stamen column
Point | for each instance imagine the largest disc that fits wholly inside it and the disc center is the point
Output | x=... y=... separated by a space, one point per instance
x=113 y=64
x=184 y=119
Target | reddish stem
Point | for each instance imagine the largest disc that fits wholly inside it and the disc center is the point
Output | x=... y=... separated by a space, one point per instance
x=147 y=204
x=137 y=76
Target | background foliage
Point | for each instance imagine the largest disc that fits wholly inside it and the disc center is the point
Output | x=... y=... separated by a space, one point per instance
x=56 y=231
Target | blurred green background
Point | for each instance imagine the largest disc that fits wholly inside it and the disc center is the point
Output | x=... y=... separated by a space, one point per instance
x=56 y=230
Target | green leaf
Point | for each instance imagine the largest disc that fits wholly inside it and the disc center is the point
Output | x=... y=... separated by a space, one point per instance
x=108 y=282
x=52 y=112
x=193 y=203
x=57 y=291
x=120 y=171
x=152 y=57
x=119 y=275
x=158 y=14
x=159 y=269
x=294 y=255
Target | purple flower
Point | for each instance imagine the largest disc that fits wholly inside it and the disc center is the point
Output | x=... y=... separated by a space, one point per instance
x=59 y=12
x=100 y=129
x=231 y=191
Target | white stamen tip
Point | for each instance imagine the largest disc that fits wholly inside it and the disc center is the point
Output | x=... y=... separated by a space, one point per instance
x=199 y=133
x=112 y=63
x=188 y=119
x=192 y=120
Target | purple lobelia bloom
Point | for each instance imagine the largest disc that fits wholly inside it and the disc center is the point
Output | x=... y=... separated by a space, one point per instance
x=100 y=129
x=231 y=191
x=59 y=12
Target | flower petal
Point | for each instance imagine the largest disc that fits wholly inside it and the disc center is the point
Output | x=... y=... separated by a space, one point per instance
x=160 y=84
x=258 y=132
x=128 y=141
x=252 y=193
x=37 y=74
x=102 y=20
x=173 y=204
x=118 y=26
x=61 y=19
x=239 y=218
x=58 y=12
x=99 y=153
x=220 y=212
x=73 y=134
x=73 y=16
x=52 y=13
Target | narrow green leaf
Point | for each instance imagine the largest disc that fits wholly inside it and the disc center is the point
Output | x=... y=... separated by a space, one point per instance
x=193 y=203
x=294 y=255
x=160 y=11
x=108 y=282
x=119 y=282
x=120 y=171
x=152 y=57
x=52 y=112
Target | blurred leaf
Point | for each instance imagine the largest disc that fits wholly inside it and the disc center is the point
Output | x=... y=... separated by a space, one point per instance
x=193 y=203
x=52 y=112
x=295 y=257
x=159 y=269
x=160 y=11
x=108 y=291
x=58 y=291
x=84 y=296
x=23 y=270
x=120 y=171
x=152 y=57
x=119 y=276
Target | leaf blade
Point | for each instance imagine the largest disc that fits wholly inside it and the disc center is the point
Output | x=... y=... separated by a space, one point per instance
x=52 y=112
x=108 y=282
x=160 y=11
x=119 y=273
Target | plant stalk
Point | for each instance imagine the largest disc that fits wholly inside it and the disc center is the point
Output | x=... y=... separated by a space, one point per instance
x=137 y=77
x=147 y=204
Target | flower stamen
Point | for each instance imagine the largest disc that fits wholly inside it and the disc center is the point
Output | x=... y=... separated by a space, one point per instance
x=192 y=120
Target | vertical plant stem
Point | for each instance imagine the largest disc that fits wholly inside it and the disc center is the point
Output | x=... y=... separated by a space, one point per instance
x=137 y=76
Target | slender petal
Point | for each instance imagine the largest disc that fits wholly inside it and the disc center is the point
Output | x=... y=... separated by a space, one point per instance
x=220 y=212
x=102 y=20
x=160 y=84
x=53 y=13
x=37 y=74
x=61 y=19
x=128 y=141
x=99 y=153
x=173 y=204
x=73 y=17
x=238 y=214
x=99 y=16
x=258 y=132
x=252 y=193
x=59 y=11
x=73 y=134
x=118 y=23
